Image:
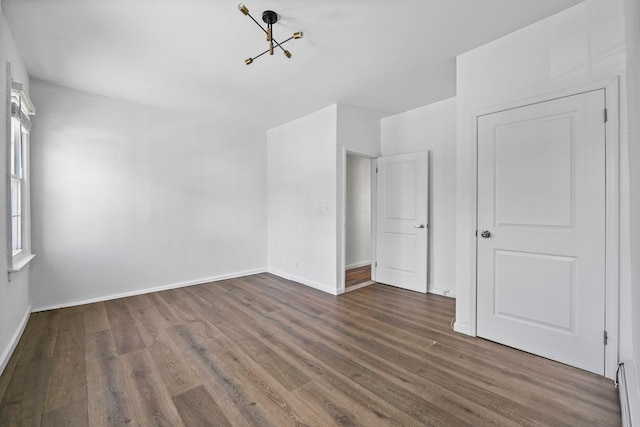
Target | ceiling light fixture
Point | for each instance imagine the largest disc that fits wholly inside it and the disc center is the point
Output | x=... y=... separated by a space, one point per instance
x=269 y=17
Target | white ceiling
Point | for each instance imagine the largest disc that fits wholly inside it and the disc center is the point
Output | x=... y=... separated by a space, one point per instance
x=381 y=54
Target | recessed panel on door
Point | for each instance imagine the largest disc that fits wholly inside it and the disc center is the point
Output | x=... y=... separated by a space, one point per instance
x=400 y=252
x=402 y=177
x=526 y=282
x=534 y=172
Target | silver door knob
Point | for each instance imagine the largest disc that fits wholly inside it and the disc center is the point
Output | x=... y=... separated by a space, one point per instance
x=419 y=226
x=486 y=234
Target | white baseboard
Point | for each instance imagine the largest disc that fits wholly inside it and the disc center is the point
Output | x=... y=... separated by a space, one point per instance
x=629 y=389
x=15 y=338
x=148 y=290
x=445 y=292
x=357 y=265
x=306 y=282
x=463 y=328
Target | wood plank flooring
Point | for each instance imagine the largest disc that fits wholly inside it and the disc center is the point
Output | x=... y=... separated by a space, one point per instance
x=355 y=276
x=262 y=351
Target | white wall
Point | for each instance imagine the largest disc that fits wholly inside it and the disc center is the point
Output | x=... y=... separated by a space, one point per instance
x=14 y=294
x=632 y=11
x=301 y=188
x=358 y=207
x=579 y=45
x=127 y=198
x=433 y=128
x=306 y=197
x=359 y=129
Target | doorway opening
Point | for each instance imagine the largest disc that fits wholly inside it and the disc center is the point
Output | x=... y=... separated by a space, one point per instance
x=358 y=241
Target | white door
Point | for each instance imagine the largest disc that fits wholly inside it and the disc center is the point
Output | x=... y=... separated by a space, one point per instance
x=541 y=229
x=401 y=221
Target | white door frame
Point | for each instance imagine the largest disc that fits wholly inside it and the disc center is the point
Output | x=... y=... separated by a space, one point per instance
x=612 y=197
x=342 y=215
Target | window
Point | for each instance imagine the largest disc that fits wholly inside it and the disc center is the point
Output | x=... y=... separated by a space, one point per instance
x=18 y=167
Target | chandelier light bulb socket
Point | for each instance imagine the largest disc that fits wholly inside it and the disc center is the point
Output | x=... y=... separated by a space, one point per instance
x=298 y=35
x=248 y=61
x=242 y=8
x=287 y=54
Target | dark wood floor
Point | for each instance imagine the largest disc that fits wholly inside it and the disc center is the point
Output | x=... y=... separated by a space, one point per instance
x=356 y=276
x=261 y=351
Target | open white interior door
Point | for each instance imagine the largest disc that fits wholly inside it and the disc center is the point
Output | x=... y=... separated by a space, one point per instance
x=402 y=228
x=541 y=229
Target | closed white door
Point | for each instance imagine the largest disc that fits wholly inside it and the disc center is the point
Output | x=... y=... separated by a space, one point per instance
x=541 y=229
x=402 y=228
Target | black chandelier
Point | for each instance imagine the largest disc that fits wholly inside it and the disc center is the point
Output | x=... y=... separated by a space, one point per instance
x=269 y=17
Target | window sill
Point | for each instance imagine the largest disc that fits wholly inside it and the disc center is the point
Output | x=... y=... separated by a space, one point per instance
x=21 y=263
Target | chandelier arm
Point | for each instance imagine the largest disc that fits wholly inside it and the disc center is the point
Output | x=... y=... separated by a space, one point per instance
x=279 y=44
x=276 y=44
x=257 y=23
x=258 y=56
x=266 y=32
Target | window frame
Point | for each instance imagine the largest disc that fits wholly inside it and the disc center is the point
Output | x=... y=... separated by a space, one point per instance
x=19 y=110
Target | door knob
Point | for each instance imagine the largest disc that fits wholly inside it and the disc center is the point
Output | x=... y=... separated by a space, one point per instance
x=419 y=226
x=486 y=234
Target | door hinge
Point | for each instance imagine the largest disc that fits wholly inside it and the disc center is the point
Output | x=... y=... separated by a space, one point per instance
x=376 y=264
x=606 y=115
x=476 y=233
x=605 y=338
x=376 y=169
